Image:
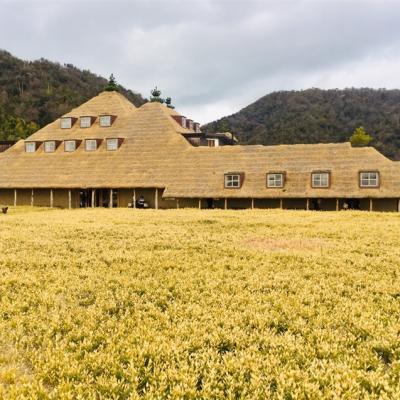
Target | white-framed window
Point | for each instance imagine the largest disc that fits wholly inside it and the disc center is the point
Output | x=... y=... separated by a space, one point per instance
x=320 y=179
x=86 y=122
x=70 y=145
x=275 y=180
x=369 y=179
x=90 y=144
x=50 y=146
x=112 y=144
x=30 y=147
x=66 y=123
x=232 y=180
x=105 y=120
x=212 y=142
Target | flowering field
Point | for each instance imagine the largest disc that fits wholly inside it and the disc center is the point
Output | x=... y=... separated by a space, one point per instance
x=189 y=304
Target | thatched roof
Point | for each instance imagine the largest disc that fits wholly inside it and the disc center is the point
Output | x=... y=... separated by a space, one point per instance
x=155 y=154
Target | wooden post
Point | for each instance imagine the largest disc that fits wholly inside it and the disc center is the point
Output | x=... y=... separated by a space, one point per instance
x=308 y=205
x=337 y=204
x=226 y=203
x=371 y=204
x=110 y=205
x=93 y=197
x=156 y=200
x=134 y=198
x=398 y=205
x=32 y=198
x=15 y=197
x=281 y=203
x=199 y=204
x=69 y=199
x=51 y=198
x=177 y=203
x=252 y=204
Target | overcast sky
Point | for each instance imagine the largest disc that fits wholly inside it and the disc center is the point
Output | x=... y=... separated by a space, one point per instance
x=213 y=57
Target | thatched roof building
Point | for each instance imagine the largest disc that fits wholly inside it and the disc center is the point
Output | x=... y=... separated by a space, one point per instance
x=107 y=152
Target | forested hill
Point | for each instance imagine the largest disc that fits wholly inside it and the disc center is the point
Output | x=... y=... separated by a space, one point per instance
x=34 y=93
x=318 y=116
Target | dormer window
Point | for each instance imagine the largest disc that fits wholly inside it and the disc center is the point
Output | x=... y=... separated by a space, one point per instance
x=70 y=145
x=196 y=126
x=90 y=144
x=181 y=120
x=30 y=147
x=275 y=179
x=66 y=123
x=320 y=180
x=105 y=120
x=189 y=124
x=112 y=144
x=369 y=179
x=233 y=180
x=86 y=122
x=50 y=146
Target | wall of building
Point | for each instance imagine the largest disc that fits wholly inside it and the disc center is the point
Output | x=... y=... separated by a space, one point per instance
x=385 y=205
x=189 y=203
x=266 y=203
x=294 y=204
x=24 y=197
x=239 y=204
x=6 y=197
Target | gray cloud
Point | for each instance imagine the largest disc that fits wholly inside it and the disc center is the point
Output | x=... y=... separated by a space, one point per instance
x=213 y=57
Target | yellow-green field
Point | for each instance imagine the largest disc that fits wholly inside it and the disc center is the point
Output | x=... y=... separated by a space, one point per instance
x=189 y=304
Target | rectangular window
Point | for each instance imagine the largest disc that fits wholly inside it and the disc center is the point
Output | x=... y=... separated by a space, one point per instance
x=369 y=179
x=232 y=181
x=90 y=144
x=105 y=120
x=86 y=122
x=112 y=144
x=212 y=142
x=50 y=146
x=183 y=122
x=320 y=179
x=30 y=147
x=275 y=180
x=66 y=123
x=70 y=145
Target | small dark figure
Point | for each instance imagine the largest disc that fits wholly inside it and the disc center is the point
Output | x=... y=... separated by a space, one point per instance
x=141 y=202
x=4 y=210
x=345 y=206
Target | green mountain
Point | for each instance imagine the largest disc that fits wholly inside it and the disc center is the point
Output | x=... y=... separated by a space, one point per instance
x=318 y=116
x=34 y=93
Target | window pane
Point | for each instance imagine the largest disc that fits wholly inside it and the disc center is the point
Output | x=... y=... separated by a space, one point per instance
x=369 y=179
x=232 y=181
x=66 y=123
x=105 y=120
x=30 y=147
x=112 y=144
x=320 y=180
x=86 y=122
x=49 y=147
x=91 y=145
x=70 y=145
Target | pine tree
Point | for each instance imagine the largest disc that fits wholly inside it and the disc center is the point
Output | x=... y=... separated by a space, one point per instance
x=360 y=138
x=112 y=85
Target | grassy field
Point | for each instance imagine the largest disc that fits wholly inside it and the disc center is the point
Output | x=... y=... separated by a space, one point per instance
x=189 y=304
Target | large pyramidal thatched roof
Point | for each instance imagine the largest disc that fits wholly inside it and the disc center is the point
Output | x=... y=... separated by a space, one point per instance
x=155 y=154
